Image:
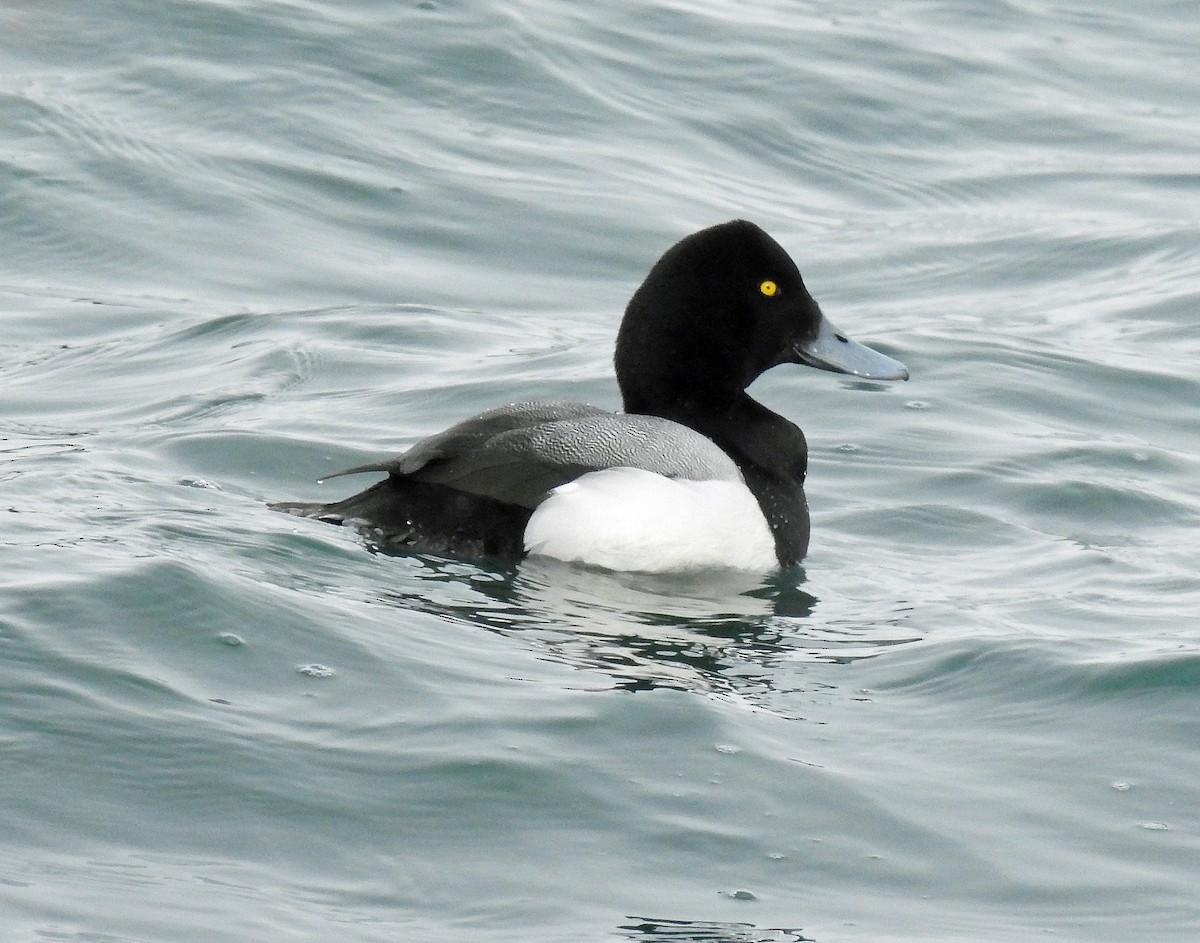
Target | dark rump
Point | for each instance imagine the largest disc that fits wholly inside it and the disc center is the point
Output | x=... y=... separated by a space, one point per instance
x=426 y=517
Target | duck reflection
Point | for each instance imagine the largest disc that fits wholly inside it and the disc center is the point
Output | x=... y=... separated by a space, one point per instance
x=646 y=930
x=723 y=632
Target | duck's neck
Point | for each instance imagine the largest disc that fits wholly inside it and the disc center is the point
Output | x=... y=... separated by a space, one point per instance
x=769 y=450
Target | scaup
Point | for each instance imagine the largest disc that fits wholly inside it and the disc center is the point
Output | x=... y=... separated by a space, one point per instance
x=695 y=473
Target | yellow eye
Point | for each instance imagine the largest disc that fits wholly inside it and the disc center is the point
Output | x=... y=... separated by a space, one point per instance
x=768 y=288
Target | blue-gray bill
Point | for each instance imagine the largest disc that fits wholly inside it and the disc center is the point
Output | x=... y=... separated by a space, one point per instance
x=833 y=350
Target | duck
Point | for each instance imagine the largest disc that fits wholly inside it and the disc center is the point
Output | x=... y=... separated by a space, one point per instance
x=693 y=474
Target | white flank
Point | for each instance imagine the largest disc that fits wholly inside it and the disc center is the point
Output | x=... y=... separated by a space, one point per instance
x=633 y=520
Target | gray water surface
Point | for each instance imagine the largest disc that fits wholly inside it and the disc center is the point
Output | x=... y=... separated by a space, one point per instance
x=244 y=244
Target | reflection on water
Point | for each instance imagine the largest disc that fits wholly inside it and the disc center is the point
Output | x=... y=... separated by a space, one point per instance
x=647 y=930
x=721 y=632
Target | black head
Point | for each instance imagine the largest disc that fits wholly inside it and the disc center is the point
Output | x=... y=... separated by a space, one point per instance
x=719 y=308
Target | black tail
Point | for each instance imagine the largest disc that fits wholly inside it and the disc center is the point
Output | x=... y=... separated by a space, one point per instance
x=426 y=517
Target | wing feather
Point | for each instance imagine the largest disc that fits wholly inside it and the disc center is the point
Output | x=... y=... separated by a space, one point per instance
x=517 y=454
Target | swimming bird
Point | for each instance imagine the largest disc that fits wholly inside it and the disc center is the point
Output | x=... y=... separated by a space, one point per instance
x=693 y=474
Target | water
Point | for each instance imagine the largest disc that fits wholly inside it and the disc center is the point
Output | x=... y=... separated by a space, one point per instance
x=247 y=243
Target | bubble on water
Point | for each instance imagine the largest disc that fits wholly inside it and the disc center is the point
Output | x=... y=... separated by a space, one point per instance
x=1156 y=826
x=233 y=641
x=315 y=671
x=741 y=895
x=916 y=404
x=1121 y=786
x=199 y=483
x=727 y=748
